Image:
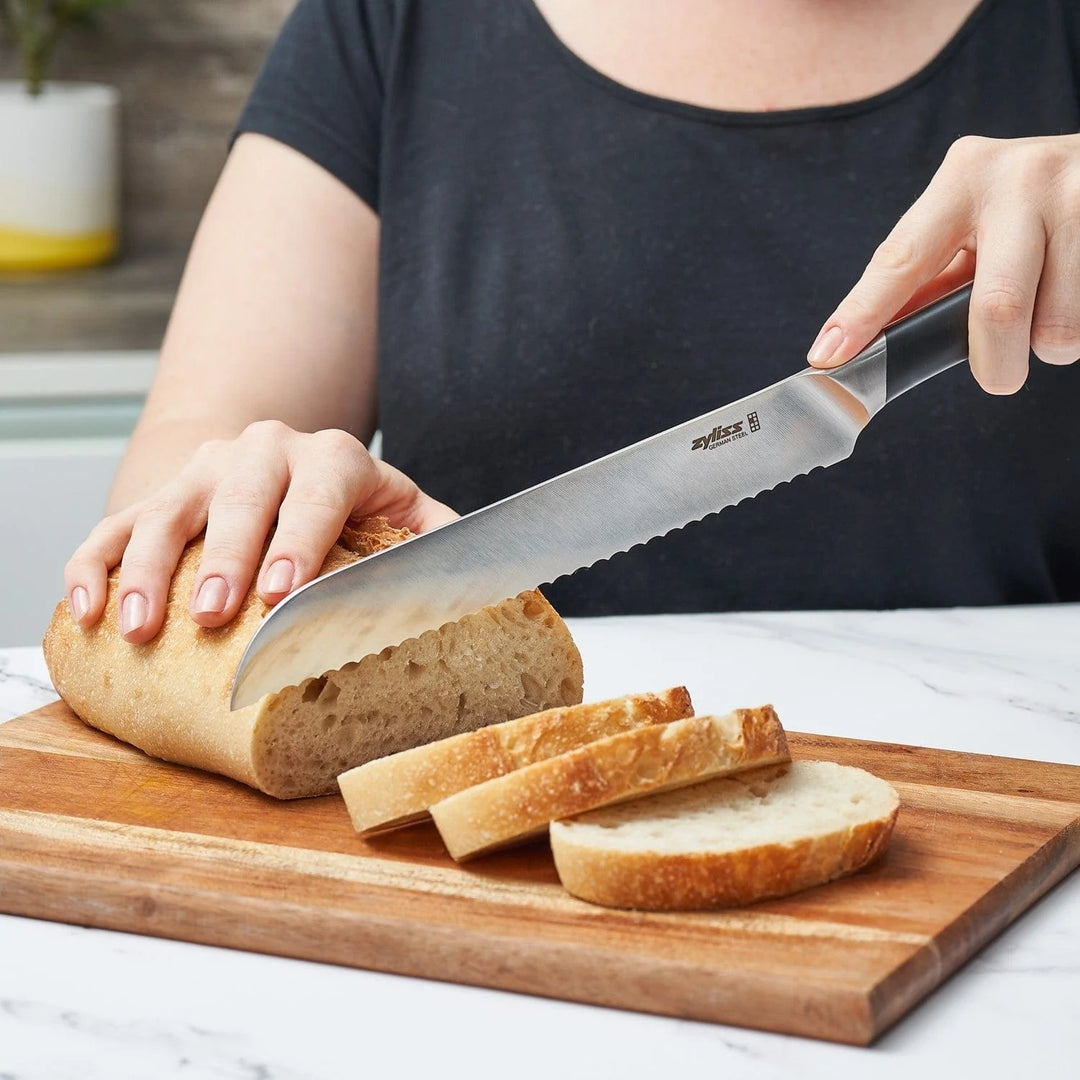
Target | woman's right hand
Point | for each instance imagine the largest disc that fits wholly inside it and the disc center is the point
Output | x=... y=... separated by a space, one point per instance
x=312 y=484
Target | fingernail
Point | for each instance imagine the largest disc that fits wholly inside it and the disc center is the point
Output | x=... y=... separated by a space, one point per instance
x=279 y=577
x=827 y=344
x=80 y=603
x=212 y=597
x=132 y=613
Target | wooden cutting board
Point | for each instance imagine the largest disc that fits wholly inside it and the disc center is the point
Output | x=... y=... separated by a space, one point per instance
x=93 y=832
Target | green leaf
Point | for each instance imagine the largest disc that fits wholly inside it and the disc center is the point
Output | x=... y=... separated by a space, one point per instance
x=81 y=10
x=35 y=26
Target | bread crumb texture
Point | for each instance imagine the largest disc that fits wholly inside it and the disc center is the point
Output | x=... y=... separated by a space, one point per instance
x=503 y=662
x=762 y=833
x=170 y=697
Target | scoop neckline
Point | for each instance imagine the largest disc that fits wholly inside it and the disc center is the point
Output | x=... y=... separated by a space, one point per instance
x=772 y=118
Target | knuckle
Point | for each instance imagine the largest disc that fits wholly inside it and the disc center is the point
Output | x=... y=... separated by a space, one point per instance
x=100 y=535
x=226 y=555
x=322 y=495
x=159 y=524
x=969 y=150
x=1069 y=195
x=140 y=565
x=266 y=431
x=82 y=562
x=291 y=543
x=337 y=442
x=896 y=254
x=1034 y=166
x=239 y=493
x=1057 y=336
x=164 y=509
x=1052 y=153
x=857 y=308
x=208 y=452
x=1002 y=304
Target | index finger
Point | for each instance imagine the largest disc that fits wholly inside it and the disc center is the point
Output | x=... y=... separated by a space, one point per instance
x=921 y=245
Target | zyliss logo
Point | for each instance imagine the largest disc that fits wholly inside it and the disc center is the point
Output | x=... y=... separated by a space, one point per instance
x=725 y=433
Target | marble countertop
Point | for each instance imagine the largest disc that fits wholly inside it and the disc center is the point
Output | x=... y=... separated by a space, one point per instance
x=90 y=1004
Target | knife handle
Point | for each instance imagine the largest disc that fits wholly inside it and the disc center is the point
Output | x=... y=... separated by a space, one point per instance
x=927 y=342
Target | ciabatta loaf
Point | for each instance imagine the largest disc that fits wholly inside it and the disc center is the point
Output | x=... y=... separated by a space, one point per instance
x=520 y=804
x=732 y=841
x=398 y=790
x=170 y=697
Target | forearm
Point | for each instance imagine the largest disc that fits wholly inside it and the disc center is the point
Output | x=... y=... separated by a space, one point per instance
x=274 y=319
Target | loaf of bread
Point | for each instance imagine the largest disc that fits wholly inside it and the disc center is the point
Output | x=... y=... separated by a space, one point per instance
x=731 y=841
x=398 y=790
x=520 y=805
x=170 y=697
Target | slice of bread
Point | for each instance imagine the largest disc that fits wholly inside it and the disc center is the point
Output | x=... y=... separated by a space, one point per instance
x=398 y=790
x=520 y=804
x=768 y=832
x=170 y=697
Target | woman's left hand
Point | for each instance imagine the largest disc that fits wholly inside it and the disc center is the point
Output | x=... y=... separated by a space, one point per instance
x=1006 y=211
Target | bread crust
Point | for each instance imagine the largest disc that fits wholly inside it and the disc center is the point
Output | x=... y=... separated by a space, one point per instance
x=170 y=697
x=398 y=790
x=521 y=804
x=702 y=880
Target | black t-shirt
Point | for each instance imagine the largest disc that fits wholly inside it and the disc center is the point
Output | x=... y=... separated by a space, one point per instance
x=568 y=265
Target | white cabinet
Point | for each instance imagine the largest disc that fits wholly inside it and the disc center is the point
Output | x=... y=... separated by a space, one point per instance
x=53 y=491
x=64 y=422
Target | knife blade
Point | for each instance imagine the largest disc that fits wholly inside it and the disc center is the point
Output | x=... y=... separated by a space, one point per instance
x=809 y=420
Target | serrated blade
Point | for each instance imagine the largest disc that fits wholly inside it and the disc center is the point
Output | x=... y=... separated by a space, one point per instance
x=565 y=524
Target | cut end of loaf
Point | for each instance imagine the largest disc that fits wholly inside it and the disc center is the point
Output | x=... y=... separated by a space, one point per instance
x=509 y=660
x=732 y=841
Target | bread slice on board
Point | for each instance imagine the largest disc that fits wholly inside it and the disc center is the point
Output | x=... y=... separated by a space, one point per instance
x=170 y=697
x=520 y=804
x=731 y=841
x=398 y=790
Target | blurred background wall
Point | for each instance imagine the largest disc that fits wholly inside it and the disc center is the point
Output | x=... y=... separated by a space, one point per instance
x=78 y=348
x=184 y=68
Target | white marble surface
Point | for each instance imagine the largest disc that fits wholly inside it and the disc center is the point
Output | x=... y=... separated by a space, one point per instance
x=88 y=1004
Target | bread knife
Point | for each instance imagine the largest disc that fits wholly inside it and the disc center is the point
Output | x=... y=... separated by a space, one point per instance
x=808 y=420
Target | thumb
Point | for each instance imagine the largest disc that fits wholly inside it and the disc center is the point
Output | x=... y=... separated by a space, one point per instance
x=400 y=500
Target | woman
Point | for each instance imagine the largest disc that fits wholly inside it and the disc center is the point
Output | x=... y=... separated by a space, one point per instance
x=563 y=225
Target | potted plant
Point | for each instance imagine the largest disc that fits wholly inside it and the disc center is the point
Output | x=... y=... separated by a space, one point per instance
x=59 y=147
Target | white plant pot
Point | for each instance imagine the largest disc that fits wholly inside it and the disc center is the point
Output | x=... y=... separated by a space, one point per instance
x=59 y=175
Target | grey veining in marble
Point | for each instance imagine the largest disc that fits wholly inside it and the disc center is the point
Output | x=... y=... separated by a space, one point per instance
x=24 y=682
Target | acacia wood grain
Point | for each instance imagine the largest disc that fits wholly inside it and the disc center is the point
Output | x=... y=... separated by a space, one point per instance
x=94 y=832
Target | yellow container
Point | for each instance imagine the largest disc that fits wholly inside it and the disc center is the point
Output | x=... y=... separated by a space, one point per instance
x=59 y=176
x=21 y=250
